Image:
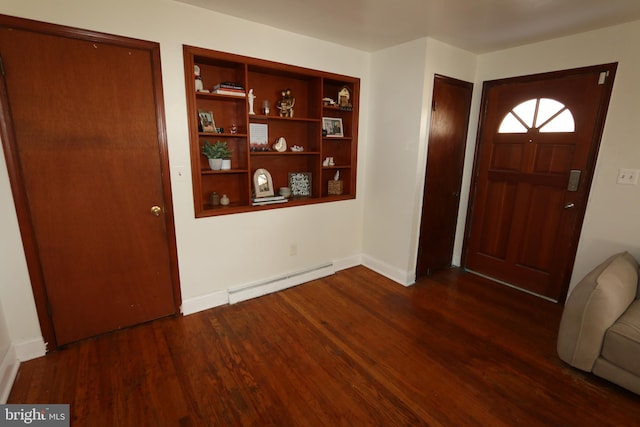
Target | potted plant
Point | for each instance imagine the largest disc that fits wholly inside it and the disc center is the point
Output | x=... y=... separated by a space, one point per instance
x=216 y=153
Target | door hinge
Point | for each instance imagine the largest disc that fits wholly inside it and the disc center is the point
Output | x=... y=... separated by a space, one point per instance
x=603 y=77
x=434 y=106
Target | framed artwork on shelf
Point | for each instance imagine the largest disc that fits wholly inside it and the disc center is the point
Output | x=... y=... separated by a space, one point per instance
x=206 y=121
x=300 y=184
x=332 y=127
x=258 y=137
x=262 y=183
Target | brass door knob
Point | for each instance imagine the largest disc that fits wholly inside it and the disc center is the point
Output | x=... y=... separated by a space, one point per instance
x=155 y=210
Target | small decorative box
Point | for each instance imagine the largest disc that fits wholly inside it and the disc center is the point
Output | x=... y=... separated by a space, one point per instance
x=335 y=187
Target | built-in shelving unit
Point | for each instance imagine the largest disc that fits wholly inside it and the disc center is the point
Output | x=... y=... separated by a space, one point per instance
x=311 y=90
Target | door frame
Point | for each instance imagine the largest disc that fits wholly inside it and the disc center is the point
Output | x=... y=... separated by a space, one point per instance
x=16 y=180
x=587 y=176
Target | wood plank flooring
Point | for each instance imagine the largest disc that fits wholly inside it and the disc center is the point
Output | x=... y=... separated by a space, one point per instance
x=352 y=349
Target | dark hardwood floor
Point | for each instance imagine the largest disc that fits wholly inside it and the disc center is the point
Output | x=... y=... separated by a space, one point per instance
x=352 y=349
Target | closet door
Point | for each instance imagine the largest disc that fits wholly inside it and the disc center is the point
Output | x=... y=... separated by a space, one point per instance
x=85 y=145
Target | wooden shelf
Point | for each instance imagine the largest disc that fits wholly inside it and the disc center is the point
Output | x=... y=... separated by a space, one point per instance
x=285 y=153
x=268 y=80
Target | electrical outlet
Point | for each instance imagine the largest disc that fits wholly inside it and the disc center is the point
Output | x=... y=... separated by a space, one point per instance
x=628 y=176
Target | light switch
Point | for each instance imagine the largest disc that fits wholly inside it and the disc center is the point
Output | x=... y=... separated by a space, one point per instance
x=179 y=171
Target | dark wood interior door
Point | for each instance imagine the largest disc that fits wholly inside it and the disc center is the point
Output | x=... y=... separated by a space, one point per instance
x=533 y=173
x=445 y=160
x=84 y=140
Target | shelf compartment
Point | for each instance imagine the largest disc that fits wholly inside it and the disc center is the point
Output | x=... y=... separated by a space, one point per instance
x=238 y=147
x=226 y=111
x=304 y=134
x=268 y=84
x=345 y=176
x=280 y=166
x=232 y=183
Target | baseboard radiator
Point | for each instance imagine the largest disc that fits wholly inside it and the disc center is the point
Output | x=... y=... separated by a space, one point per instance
x=275 y=284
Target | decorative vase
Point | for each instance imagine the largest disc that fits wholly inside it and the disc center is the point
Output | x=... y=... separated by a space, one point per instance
x=215 y=164
x=224 y=200
x=226 y=164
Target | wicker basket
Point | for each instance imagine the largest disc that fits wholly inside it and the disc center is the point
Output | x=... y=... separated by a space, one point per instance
x=335 y=187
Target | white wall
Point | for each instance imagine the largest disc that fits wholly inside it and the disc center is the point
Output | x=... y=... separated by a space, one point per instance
x=402 y=78
x=612 y=221
x=392 y=158
x=220 y=252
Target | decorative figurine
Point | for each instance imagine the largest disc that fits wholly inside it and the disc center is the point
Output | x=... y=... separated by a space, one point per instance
x=286 y=103
x=196 y=73
x=265 y=107
x=344 y=98
x=251 y=97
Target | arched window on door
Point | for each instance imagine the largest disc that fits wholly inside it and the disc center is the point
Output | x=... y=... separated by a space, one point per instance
x=544 y=114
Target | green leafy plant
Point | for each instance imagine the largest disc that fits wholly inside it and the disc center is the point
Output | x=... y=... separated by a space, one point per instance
x=219 y=150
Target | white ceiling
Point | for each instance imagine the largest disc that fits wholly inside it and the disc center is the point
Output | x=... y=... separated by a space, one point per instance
x=475 y=25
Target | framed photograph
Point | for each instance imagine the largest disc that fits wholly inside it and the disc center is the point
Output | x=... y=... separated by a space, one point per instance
x=300 y=184
x=332 y=126
x=206 y=121
x=262 y=183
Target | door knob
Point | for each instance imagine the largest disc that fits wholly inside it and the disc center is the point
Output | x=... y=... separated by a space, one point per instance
x=569 y=205
x=155 y=210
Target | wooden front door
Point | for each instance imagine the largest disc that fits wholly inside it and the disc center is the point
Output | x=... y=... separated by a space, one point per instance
x=445 y=160
x=83 y=133
x=537 y=148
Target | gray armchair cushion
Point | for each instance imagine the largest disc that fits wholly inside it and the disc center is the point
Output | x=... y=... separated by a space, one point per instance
x=593 y=306
x=622 y=341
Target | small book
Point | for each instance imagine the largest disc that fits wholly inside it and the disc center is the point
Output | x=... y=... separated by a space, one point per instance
x=268 y=199
x=272 y=202
x=229 y=92
x=229 y=85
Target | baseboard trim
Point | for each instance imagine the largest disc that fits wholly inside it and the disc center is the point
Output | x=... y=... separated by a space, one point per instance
x=8 y=372
x=30 y=349
x=275 y=284
x=204 y=302
x=344 y=263
x=405 y=278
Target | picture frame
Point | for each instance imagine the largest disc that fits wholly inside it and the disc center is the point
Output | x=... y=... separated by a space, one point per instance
x=332 y=126
x=258 y=137
x=300 y=184
x=206 y=121
x=262 y=183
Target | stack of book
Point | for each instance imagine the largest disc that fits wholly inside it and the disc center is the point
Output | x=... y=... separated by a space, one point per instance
x=269 y=200
x=229 y=88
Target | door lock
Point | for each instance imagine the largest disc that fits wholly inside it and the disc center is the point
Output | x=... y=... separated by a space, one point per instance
x=574 y=179
x=155 y=210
